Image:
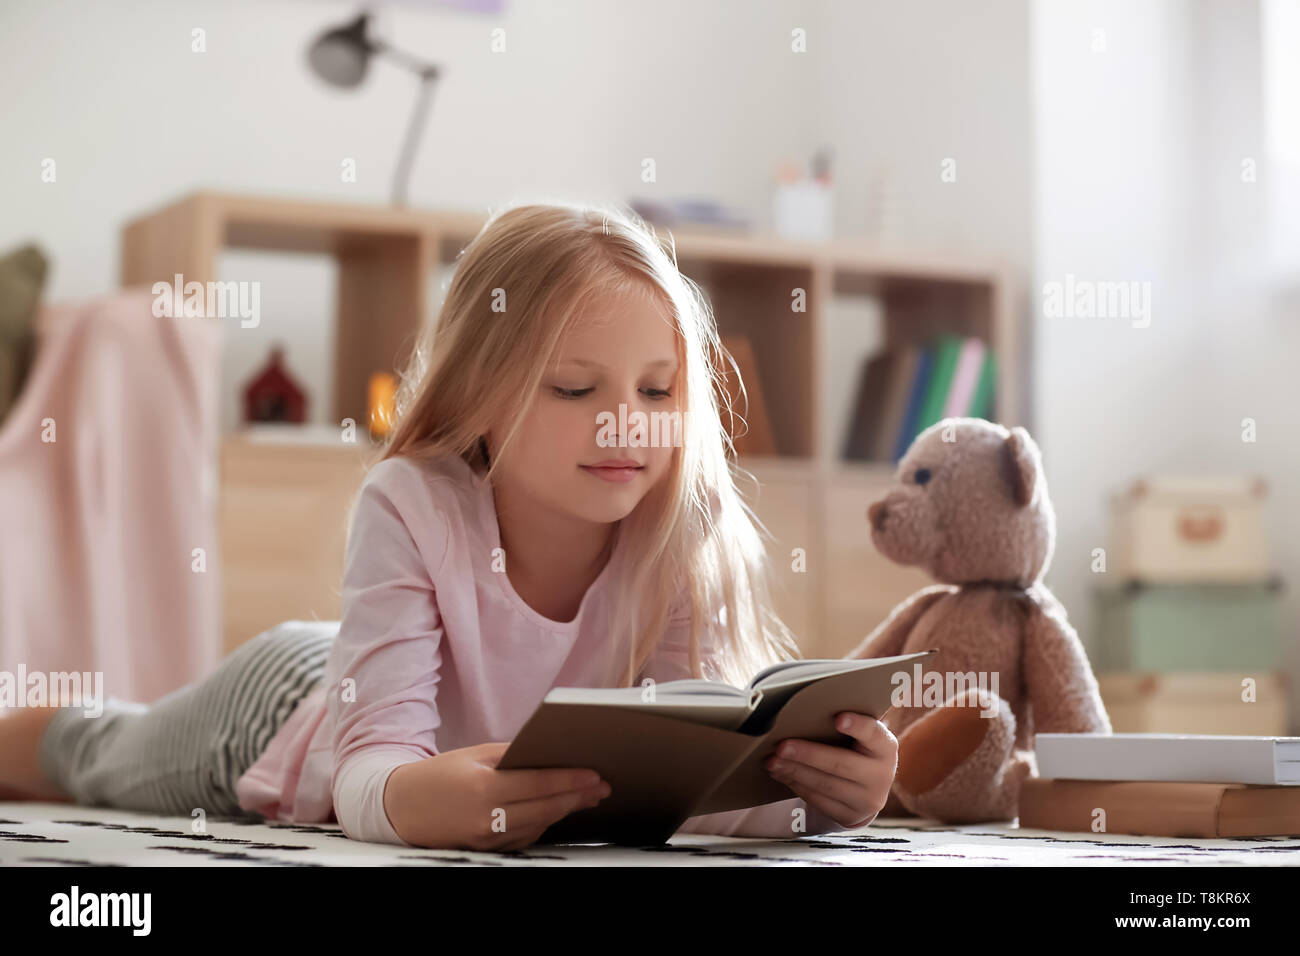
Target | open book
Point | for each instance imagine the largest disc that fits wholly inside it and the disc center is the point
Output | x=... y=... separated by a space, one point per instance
x=681 y=748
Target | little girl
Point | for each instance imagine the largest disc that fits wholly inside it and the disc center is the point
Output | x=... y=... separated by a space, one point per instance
x=520 y=532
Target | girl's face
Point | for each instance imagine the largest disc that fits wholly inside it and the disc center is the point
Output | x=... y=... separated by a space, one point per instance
x=575 y=435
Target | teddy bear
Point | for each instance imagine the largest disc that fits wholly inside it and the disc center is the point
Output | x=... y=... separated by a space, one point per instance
x=969 y=505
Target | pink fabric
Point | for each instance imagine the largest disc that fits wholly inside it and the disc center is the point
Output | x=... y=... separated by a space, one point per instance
x=443 y=654
x=99 y=525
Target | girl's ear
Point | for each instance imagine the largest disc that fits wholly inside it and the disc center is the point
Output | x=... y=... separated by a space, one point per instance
x=1020 y=465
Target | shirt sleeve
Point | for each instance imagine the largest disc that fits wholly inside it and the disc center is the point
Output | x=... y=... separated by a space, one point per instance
x=671 y=661
x=390 y=653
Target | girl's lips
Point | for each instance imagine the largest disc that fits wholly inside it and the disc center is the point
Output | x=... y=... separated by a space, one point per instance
x=611 y=474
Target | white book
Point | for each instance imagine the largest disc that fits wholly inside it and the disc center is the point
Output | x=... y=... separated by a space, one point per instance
x=1200 y=758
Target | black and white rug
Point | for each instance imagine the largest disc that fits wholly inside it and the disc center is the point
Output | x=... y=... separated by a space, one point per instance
x=57 y=834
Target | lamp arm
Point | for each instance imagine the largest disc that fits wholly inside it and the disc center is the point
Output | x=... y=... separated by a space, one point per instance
x=415 y=65
x=402 y=174
x=428 y=74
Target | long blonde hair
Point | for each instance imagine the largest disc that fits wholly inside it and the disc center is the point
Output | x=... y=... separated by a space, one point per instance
x=476 y=368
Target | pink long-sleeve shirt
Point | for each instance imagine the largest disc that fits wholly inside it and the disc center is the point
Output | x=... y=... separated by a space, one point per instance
x=435 y=651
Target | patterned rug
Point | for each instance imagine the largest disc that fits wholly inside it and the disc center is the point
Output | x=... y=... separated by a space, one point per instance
x=54 y=834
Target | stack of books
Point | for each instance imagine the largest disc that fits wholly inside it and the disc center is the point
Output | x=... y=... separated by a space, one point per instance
x=1175 y=785
x=1188 y=627
x=905 y=391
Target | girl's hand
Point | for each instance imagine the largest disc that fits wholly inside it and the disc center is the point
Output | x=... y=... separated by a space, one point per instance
x=849 y=784
x=458 y=799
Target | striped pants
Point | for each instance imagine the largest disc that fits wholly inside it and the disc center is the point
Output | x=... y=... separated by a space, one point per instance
x=187 y=749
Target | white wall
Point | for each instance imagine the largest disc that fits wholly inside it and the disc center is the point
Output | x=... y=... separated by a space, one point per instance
x=584 y=91
x=1138 y=154
x=900 y=88
x=905 y=86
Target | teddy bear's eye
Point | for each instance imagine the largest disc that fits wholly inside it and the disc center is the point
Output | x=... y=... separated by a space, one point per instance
x=922 y=475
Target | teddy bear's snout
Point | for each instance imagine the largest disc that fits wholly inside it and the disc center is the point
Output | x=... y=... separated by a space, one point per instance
x=902 y=526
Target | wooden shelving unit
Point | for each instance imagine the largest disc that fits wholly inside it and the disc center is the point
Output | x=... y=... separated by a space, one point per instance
x=388 y=260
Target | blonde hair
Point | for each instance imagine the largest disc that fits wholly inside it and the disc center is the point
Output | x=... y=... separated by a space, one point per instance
x=477 y=369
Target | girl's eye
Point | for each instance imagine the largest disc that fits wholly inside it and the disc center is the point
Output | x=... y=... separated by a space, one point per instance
x=570 y=392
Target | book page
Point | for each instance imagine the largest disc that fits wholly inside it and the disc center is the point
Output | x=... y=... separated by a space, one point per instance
x=699 y=701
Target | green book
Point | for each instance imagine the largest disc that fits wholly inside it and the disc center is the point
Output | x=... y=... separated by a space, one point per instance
x=981 y=405
x=936 y=397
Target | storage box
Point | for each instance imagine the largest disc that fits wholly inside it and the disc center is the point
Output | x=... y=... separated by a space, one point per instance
x=1190 y=529
x=1194 y=702
x=1199 y=627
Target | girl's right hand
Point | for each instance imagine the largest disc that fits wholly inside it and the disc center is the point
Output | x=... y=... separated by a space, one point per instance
x=454 y=800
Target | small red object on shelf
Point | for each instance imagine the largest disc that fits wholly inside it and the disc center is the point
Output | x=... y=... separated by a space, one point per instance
x=273 y=396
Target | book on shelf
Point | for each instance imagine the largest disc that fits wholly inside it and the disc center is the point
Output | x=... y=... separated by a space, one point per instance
x=677 y=749
x=751 y=429
x=1160 y=808
x=965 y=379
x=946 y=351
x=905 y=365
x=915 y=399
x=903 y=391
x=873 y=393
x=982 y=400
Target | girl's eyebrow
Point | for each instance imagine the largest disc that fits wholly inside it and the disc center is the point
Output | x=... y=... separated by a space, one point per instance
x=658 y=363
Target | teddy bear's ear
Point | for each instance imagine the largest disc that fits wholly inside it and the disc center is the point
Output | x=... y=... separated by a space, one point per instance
x=1020 y=465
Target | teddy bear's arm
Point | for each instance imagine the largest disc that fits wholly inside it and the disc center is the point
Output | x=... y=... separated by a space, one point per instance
x=888 y=637
x=1058 y=678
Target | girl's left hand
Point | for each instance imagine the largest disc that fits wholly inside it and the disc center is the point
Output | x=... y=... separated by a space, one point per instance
x=849 y=784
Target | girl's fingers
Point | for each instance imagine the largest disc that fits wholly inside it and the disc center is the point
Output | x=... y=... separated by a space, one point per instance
x=522 y=816
x=851 y=791
x=848 y=815
x=870 y=736
x=845 y=762
x=519 y=786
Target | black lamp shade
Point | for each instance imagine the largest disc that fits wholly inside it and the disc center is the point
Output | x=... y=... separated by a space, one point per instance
x=341 y=56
